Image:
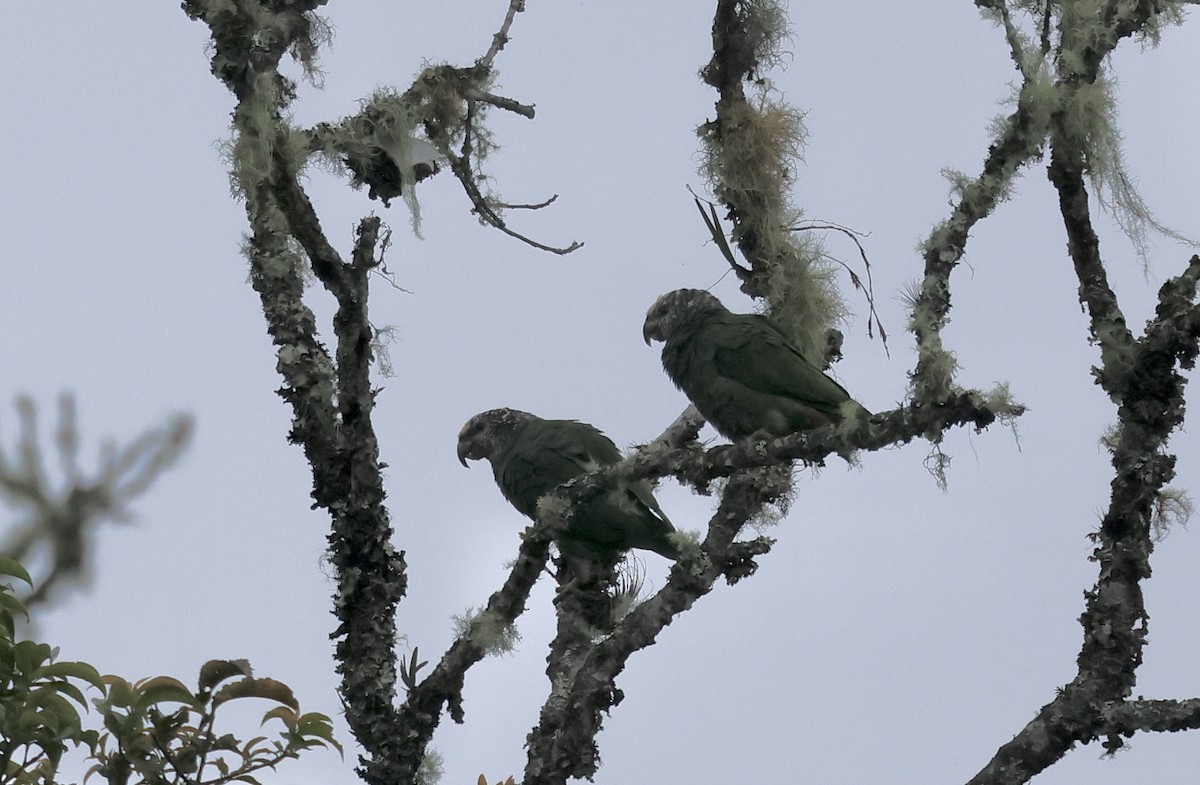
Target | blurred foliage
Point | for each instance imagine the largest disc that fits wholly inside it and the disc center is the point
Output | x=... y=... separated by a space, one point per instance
x=153 y=731
x=58 y=516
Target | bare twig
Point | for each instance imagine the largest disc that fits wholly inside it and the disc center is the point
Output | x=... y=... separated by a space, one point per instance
x=500 y=39
x=869 y=288
x=536 y=206
x=500 y=102
x=486 y=209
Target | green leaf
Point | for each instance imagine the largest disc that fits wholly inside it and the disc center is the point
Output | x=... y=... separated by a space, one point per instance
x=59 y=715
x=257 y=688
x=163 y=689
x=227 y=742
x=317 y=725
x=29 y=656
x=74 y=670
x=13 y=567
x=287 y=715
x=249 y=749
x=91 y=738
x=71 y=691
x=28 y=723
x=214 y=672
x=11 y=604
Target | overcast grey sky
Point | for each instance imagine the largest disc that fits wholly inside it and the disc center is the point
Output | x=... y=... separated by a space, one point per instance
x=895 y=634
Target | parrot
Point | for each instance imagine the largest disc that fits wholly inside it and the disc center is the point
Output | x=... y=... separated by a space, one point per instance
x=740 y=370
x=530 y=457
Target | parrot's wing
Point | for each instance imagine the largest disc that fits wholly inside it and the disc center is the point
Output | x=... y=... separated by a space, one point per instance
x=546 y=454
x=751 y=351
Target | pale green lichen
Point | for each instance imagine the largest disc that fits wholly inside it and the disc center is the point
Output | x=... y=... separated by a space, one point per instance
x=1083 y=96
x=937 y=463
x=432 y=768
x=289 y=260
x=934 y=378
x=305 y=50
x=380 y=347
x=484 y=628
x=854 y=419
x=387 y=122
x=1172 y=507
x=553 y=509
x=258 y=123
x=999 y=398
x=749 y=157
x=686 y=540
x=753 y=168
x=1000 y=402
x=764 y=23
x=1087 y=101
x=802 y=294
x=777 y=482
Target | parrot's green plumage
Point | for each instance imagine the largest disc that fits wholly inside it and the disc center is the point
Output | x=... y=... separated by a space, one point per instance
x=740 y=370
x=530 y=457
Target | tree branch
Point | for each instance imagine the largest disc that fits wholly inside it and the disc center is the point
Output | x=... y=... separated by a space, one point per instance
x=331 y=398
x=1140 y=376
x=1019 y=142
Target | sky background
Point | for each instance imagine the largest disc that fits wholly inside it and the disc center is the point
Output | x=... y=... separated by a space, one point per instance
x=896 y=633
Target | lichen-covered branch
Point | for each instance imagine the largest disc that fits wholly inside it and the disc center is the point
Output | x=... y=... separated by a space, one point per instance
x=330 y=392
x=421 y=712
x=383 y=149
x=563 y=744
x=330 y=396
x=585 y=660
x=1141 y=377
x=1019 y=141
x=1092 y=705
x=751 y=149
x=1159 y=716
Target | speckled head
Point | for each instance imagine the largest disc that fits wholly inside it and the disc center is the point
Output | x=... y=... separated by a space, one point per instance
x=676 y=308
x=488 y=432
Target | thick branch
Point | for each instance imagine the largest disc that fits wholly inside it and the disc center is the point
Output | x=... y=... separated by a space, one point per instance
x=563 y=744
x=421 y=712
x=1153 y=715
x=303 y=224
x=1107 y=324
x=754 y=211
x=331 y=401
x=1140 y=376
x=1094 y=705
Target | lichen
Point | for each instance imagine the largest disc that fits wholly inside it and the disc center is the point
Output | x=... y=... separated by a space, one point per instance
x=487 y=630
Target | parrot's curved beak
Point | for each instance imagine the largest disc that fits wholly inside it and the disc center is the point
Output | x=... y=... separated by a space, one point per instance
x=463 y=450
x=650 y=330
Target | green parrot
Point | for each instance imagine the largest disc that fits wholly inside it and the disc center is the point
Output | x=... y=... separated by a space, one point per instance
x=531 y=457
x=740 y=370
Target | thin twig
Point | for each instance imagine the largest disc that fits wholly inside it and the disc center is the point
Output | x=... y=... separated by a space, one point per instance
x=500 y=39
x=500 y=102
x=869 y=288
